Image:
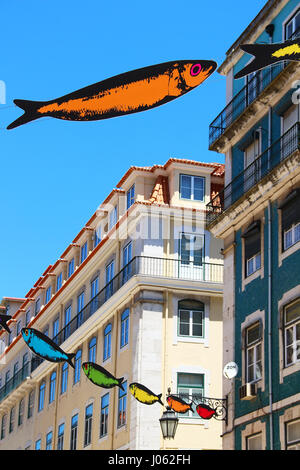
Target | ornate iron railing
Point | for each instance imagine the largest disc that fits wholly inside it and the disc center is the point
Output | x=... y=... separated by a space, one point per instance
x=19 y=377
x=217 y=406
x=144 y=266
x=244 y=98
x=140 y=265
x=266 y=162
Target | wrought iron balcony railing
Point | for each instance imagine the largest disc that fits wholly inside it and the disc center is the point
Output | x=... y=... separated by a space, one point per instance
x=244 y=98
x=147 y=266
x=19 y=377
x=140 y=265
x=264 y=164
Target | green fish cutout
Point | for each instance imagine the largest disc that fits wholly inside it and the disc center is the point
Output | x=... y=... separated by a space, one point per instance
x=100 y=376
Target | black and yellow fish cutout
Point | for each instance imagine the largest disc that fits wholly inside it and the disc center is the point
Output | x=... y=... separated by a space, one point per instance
x=127 y=93
x=269 y=54
x=144 y=395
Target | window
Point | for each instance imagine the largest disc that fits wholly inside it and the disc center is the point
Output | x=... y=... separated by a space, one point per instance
x=48 y=295
x=3 y=426
x=293 y=26
x=41 y=396
x=191 y=318
x=52 y=387
x=254 y=442
x=38 y=444
x=80 y=306
x=192 y=187
x=92 y=350
x=191 y=249
x=77 y=364
x=97 y=236
x=107 y=342
x=37 y=306
x=252 y=248
x=58 y=282
x=127 y=266
x=124 y=328
x=122 y=404
x=74 y=427
x=60 y=436
x=27 y=317
x=49 y=441
x=253 y=353
x=30 y=404
x=290 y=219
x=71 y=266
x=68 y=314
x=130 y=196
x=19 y=327
x=292 y=431
x=113 y=217
x=292 y=333
x=254 y=86
x=12 y=419
x=104 y=415
x=55 y=329
x=190 y=387
x=109 y=275
x=21 y=412
x=64 y=377
x=88 y=425
x=83 y=252
x=94 y=292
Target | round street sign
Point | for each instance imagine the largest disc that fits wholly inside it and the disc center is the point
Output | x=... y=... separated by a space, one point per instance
x=230 y=370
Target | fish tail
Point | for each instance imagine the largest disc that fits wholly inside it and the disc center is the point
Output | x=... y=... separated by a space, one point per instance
x=31 y=112
x=69 y=360
x=159 y=399
x=261 y=59
x=120 y=383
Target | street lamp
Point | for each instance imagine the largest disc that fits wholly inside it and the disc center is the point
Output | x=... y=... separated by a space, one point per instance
x=168 y=423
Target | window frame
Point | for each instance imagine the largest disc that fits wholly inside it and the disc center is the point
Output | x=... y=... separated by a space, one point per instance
x=124 y=328
x=88 y=423
x=287 y=326
x=192 y=177
x=107 y=336
x=52 y=387
x=77 y=365
x=104 y=414
x=122 y=406
x=74 y=432
x=41 y=401
x=291 y=443
x=191 y=323
x=253 y=346
x=189 y=388
x=130 y=198
x=64 y=378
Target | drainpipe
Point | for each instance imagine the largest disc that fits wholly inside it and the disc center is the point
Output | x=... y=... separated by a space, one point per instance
x=269 y=324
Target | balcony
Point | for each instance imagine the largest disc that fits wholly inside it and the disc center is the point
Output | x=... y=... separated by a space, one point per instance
x=140 y=265
x=277 y=153
x=144 y=266
x=19 y=377
x=244 y=98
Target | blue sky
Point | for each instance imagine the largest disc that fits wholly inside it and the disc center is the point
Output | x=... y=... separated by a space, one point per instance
x=54 y=174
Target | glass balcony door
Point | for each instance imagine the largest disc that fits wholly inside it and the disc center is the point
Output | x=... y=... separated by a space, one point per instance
x=191 y=257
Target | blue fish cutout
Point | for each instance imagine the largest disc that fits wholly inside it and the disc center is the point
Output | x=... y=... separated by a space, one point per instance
x=44 y=347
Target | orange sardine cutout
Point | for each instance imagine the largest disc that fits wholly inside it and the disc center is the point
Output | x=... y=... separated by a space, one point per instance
x=178 y=405
x=127 y=93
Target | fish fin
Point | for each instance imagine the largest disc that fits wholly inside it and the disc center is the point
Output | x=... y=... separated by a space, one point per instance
x=120 y=383
x=30 y=108
x=159 y=399
x=69 y=360
x=4 y=319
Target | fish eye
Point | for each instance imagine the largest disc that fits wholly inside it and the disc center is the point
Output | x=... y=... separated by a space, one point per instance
x=195 y=70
